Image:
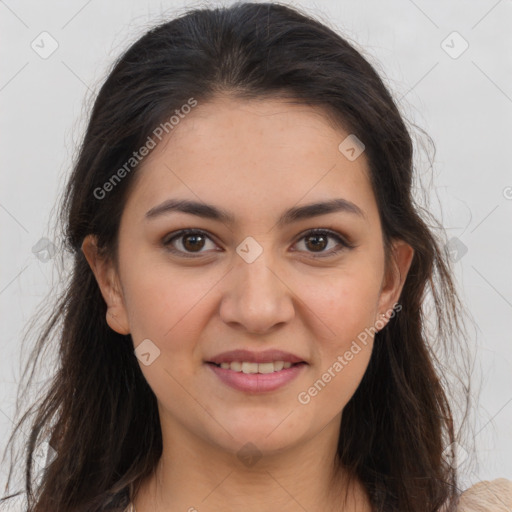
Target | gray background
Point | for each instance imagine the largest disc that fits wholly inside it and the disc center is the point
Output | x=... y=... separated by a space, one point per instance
x=464 y=102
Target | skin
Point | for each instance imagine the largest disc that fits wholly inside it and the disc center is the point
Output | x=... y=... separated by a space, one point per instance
x=255 y=159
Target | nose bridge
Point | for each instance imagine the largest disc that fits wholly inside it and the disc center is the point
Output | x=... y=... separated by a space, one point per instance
x=256 y=296
x=257 y=276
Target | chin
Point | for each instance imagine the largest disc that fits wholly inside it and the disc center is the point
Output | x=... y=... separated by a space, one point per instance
x=270 y=436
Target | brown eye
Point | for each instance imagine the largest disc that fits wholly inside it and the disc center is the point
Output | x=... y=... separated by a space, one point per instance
x=193 y=242
x=317 y=240
x=190 y=242
x=187 y=242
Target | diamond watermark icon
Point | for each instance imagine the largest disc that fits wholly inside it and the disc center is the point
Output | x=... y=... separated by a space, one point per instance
x=455 y=249
x=44 y=45
x=249 y=249
x=44 y=455
x=147 y=352
x=351 y=147
x=44 y=250
x=249 y=454
x=455 y=454
x=454 y=45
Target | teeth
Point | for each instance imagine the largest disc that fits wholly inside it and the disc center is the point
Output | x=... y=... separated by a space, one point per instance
x=278 y=366
x=264 y=367
x=246 y=367
x=250 y=367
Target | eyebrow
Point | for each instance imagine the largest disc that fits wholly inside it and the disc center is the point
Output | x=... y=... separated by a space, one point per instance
x=294 y=214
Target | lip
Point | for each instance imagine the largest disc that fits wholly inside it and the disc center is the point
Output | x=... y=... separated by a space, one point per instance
x=249 y=356
x=257 y=382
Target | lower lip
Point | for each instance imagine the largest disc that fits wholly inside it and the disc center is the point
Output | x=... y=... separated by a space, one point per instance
x=257 y=382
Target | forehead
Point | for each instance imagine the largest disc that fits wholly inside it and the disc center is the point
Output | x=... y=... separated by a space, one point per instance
x=253 y=155
x=264 y=128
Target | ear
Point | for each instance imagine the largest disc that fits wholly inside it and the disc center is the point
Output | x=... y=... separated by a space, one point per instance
x=108 y=282
x=400 y=261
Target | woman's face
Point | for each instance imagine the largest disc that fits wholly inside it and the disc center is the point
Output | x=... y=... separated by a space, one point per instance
x=255 y=280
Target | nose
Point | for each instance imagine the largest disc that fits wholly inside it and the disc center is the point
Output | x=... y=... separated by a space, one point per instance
x=256 y=297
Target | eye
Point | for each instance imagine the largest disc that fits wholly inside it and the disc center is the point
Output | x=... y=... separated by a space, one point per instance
x=317 y=239
x=190 y=242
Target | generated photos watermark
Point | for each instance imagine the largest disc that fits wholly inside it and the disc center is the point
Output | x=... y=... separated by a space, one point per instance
x=304 y=397
x=144 y=150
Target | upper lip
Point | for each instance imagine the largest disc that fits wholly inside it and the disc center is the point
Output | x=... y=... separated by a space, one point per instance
x=266 y=356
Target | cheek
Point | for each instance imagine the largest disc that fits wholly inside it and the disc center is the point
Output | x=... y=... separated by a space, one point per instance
x=346 y=304
x=346 y=308
x=346 y=301
x=167 y=308
x=160 y=299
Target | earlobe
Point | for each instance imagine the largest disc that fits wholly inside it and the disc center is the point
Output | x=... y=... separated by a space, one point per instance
x=115 y=324
x=107 y=279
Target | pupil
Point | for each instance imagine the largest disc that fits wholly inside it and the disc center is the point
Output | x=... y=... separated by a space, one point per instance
x=194 y=237
x=321 y=245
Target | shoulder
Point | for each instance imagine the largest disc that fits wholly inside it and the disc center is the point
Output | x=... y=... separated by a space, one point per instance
x=487 y=496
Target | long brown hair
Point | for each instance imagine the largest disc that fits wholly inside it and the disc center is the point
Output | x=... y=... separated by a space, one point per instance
x=99 y=415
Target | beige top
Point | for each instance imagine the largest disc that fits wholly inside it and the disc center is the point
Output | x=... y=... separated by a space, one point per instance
x=484 y=496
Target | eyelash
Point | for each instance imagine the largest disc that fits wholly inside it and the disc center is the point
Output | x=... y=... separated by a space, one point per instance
x=167 y=241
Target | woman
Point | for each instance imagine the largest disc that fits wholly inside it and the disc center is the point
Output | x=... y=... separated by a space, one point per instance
x=243 y=325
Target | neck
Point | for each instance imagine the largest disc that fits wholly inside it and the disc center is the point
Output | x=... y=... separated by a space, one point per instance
x=193 y=475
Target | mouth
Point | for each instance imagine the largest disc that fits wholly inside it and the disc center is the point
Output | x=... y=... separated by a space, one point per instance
x=249 y=367
x=256 y=378
x=256 y=371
